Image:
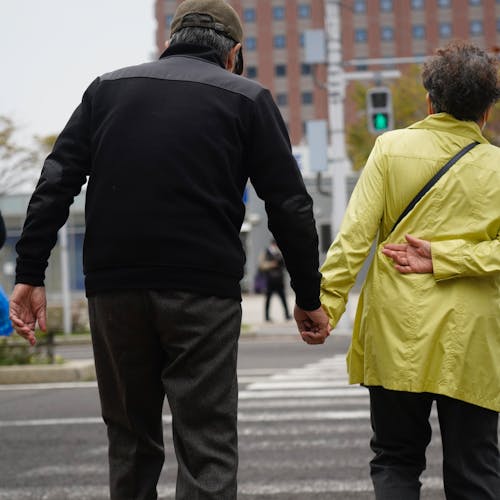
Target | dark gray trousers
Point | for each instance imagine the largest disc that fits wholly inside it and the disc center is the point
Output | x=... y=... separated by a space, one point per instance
x=151 y=343
x=402 y=432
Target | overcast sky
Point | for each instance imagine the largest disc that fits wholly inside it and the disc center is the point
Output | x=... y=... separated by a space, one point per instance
x=50 y=51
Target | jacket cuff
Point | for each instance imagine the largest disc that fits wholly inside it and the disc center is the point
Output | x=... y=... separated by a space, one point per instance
x=307 y=293
x=30 y=273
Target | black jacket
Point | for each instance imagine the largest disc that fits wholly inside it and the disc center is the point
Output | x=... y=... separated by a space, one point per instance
x=168 y=147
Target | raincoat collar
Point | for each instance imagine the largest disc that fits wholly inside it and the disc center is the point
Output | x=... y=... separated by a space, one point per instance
x=445 y=122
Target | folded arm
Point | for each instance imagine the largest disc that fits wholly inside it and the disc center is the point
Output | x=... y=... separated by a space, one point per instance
x=446 y=259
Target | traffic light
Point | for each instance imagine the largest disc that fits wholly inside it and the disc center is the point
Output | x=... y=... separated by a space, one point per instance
x=379 y=110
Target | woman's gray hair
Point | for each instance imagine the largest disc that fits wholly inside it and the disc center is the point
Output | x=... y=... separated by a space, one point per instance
x=221 y=44
x=461 y=80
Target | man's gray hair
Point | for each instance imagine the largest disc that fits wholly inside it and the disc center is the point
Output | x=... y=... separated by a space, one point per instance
x=221 y=44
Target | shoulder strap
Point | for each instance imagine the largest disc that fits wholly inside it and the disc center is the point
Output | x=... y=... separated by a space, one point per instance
x=433 y=181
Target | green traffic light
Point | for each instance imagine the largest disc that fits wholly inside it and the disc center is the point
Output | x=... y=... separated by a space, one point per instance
x=380 y=121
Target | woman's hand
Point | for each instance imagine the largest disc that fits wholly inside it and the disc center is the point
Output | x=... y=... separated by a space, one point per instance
x=412 y=257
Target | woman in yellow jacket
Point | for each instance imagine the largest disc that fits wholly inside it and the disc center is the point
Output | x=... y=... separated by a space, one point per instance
x=427 y=326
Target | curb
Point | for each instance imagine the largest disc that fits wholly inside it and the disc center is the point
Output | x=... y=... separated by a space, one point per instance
x=70 y=371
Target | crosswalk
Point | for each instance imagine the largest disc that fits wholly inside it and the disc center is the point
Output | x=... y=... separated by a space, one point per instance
x=312 y=430
x=303 y=434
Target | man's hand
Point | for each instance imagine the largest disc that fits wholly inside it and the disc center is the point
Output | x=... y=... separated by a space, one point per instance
x=412 y=257
x=313 y=326
x=28 y=305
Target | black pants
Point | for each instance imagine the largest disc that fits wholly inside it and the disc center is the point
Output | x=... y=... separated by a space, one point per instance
x=151 y=343
x=401 y=433
x=280 y=290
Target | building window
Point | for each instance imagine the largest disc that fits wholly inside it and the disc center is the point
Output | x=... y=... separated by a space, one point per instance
x=307 y=97
x=476 y=27
x=249 y=15
x=282 y=99
x=280 y=70
x=498 y=25
x=445 y=30
x=302 y=40
x=387 y=33
x=360 y=35
x=279 y=13
x=386 y=5
x=444 y=3
x=168 y=20
x=305 y=69
x=304 y=11
x=252 y=71
x=250 y=43
x=418 y=31
x=417 y=4
x=359 y=6
x=474 y=2
x=279 y=41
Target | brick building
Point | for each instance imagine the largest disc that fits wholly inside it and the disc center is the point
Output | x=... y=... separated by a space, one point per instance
x=274 y=52
x=373 y=29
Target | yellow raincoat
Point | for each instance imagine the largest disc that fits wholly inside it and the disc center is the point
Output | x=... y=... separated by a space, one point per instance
x=439 y=332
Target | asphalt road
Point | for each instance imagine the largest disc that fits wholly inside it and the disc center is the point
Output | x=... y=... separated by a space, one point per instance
x=304 y=433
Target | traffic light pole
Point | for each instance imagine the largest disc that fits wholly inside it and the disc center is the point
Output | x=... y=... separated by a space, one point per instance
x=336 y=84
x=336 y=88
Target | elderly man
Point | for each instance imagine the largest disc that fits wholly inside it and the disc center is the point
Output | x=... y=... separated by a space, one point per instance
x=168 y=148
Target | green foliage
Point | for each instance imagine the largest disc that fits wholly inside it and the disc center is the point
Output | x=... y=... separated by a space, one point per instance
x=492 y=129
x=16 y=351
x=20 y=165
x=14 y=354
x=408 y=98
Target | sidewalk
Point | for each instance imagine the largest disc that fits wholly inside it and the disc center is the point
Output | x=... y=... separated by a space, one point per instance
x=253 y=317
x=253 y=326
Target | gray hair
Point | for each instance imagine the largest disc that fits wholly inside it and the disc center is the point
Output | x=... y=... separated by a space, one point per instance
x=221 y=44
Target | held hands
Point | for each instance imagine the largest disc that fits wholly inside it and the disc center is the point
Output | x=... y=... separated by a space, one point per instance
x=412 y=257
x=313 y=326
x=28 y=306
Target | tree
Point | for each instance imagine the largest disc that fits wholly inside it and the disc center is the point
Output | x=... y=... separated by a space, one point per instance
x=20 y=165
x=408 y=97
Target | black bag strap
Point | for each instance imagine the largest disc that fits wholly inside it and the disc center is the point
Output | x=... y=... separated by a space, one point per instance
x=433 y=181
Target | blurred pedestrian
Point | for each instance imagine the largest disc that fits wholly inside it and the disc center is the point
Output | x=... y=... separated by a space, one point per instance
x=169 y=147
x=428 y=329
x=273 y=267
x=5 y=324
x=3 y=231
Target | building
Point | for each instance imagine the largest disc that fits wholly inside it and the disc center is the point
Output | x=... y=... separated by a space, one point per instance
x=370 y=29
x=385 y=29
x=274 y=53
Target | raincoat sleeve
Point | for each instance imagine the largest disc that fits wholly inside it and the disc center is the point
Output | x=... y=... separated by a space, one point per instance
x=356 y=235
x=461 y=258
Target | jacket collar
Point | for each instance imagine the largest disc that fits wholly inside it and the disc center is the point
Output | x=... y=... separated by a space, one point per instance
x=445 y=122
x=192 y=50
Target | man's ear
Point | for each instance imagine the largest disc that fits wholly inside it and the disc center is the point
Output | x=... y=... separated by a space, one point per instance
x=231 y=57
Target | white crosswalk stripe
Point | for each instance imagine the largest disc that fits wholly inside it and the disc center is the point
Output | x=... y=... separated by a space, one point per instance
x=305 y=424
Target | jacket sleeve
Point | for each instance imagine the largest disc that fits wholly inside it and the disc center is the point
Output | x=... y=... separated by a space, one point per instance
x=64 y=172
x=277 y=180
x=354 y=240
x=3 y=231
x=461 y=258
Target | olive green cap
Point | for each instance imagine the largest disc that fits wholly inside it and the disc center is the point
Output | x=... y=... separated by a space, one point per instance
x=212 y=14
